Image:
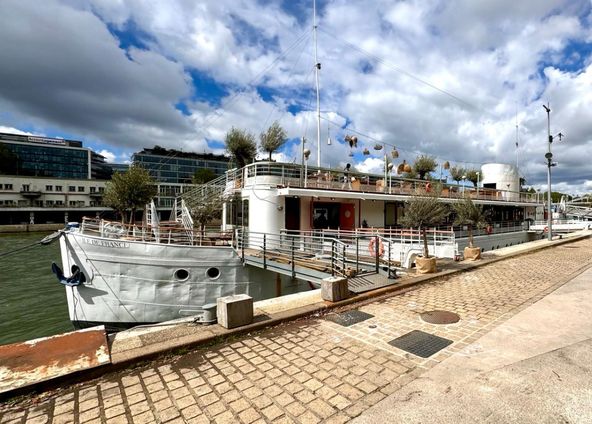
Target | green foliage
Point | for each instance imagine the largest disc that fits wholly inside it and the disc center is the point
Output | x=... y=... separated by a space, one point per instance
x=424 y=210
x=457 y=172
x=469 y=214
x=129 y=191
x=273 y=138
x=8 y=161
x=473 y=175
x=206 y=207
x=203 y=175
x=424 y=165
x=241 y=146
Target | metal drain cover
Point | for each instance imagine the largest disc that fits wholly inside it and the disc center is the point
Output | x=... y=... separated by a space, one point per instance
x=440 y=317
x=420 y=343
x=349 y=318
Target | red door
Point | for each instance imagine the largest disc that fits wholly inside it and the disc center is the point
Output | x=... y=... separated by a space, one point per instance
x=347 y=217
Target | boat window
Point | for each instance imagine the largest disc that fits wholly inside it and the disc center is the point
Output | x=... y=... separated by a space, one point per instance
x=181 y=274
x=213 y=273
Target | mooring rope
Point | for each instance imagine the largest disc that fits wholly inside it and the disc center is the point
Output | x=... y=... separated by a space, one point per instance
x=45 y=240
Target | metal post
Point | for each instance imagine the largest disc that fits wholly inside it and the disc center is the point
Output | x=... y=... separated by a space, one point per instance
x=343 y=260
x=264 y=248
x=293 y=264
x=376 y=250
x=549 y=157
x=332 y=257
x=357 y=255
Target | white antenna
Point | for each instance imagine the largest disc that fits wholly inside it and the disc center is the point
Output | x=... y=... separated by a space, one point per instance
x=328 y=134
x=317 y=69
x=516 y=136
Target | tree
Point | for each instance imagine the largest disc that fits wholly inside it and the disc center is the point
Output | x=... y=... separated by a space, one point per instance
x=457 y=173
x=424 y=165
x=424 y=210
x=469 y=214
x=473 y=175
x=241 y=146
x=273 y=138
x=129 y=191
x=203 y=175
x=205 y=207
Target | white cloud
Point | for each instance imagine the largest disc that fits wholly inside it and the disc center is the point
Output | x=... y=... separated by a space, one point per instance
x=109 y=156
x=13 y=130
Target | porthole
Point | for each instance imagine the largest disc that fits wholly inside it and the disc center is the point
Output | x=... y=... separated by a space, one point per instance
x=213 y=273
x=181 y=274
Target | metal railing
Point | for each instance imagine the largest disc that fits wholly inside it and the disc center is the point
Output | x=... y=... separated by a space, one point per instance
x=168 y=232
x=295 y=176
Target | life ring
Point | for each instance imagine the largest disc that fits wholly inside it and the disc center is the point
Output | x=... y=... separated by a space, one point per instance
x=489 y=229
x=546 y=230
x=372 y=247
x=428 y=187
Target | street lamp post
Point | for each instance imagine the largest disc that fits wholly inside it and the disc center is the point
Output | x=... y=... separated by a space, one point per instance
x=549 y=157
x=464 y=177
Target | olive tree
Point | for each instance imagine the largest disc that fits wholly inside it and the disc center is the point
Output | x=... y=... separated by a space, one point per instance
x=423 y=210
x=241 y=146
x=129 y=191
x=203 y=175
x=272 y=139
x=473 y=175
x=457 y=173
x=470 y=214
x=205 y=207
x=423 y=165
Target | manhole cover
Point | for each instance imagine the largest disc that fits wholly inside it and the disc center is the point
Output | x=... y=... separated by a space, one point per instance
x=440 y=317
x=420 y=343
x=349 y=318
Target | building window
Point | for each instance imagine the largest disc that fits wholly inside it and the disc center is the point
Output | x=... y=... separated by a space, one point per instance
x=59 y=203
x=39 y=203
x=58 y=188
x=101 y=189
x=26 y=187
x=7 y=186
x=93 y=189
x=71 y=188
x=72 y=203
x=49 y=203
x=80 y=188
x=48 y=188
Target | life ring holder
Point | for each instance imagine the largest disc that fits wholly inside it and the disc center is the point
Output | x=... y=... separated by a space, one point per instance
x=372 y=247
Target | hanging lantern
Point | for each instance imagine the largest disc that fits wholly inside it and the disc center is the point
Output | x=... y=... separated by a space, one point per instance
x=446 y=165
x=354 y=140
x=366 y=152
x=407 y=168
x=395 y=154
x=389 y=167
x=378 y=146
x=400 y=168
x=306 y=153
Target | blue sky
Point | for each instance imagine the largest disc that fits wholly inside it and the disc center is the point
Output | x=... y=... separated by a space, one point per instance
x=444 y=78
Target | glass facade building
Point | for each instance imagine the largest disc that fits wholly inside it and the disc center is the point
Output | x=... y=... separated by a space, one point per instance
x=49 y=157
x=172 y=166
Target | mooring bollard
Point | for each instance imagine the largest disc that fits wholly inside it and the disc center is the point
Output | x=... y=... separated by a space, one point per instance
x=235 y=311
x=334 y=289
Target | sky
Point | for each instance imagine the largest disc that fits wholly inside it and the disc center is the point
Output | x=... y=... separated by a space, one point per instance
x=463 y=81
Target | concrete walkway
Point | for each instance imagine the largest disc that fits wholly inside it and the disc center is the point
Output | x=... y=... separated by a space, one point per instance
x=316 y=370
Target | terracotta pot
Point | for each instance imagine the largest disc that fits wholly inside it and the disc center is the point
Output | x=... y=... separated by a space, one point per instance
x=425 y=265
x=472 y=253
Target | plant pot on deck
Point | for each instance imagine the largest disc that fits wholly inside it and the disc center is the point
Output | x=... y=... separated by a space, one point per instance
x=472 y=253
x=425 y=265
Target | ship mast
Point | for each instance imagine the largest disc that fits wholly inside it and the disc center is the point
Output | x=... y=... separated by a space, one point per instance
x=317 y=69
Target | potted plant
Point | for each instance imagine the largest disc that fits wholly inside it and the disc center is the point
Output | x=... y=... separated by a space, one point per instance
x=471 y=215
x=424 y=210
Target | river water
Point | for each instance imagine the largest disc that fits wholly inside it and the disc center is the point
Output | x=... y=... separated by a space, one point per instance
x=32 y=302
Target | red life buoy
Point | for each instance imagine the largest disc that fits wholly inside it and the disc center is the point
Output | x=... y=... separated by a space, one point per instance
x=489 y=229
x=372 y=247
x=546 y=230
x=428 y=187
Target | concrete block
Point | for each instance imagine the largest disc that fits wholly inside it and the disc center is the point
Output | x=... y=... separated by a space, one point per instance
x=235 y=311
x=334 y=289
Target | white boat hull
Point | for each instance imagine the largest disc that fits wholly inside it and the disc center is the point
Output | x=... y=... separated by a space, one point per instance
x=129 y=283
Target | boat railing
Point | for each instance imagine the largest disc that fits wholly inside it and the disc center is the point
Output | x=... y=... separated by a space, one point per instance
x=500 y=227
x=298 y=176
x=169 y=232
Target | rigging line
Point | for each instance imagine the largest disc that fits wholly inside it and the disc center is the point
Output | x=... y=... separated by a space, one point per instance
x=404 y=72
x=350 y=129
x=287 y=84
x=216 y=114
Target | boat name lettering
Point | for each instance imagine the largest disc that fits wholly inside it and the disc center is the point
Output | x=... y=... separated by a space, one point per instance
x=107 y=243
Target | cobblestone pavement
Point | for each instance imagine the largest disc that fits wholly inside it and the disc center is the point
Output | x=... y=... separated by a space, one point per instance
x=312 y=370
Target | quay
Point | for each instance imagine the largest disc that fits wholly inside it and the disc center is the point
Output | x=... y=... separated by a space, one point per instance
x=519 y=353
